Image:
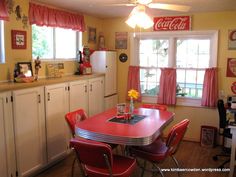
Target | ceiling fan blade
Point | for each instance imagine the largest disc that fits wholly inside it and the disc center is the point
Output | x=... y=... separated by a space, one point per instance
x=181 y=8
x=128 y=4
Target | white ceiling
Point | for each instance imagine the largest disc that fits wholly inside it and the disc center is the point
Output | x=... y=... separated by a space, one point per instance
x=104 y=9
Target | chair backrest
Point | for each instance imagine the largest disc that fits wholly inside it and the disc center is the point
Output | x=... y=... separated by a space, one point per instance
x=155 y=106
x=73 y=117
x=222 y=113
x=92 y=153
x=176 y=134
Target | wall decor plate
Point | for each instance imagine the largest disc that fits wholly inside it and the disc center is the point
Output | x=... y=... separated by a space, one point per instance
x=232 y=39
x=123 y=57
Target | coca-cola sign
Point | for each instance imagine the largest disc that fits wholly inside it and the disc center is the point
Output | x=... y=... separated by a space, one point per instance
x=174 y=23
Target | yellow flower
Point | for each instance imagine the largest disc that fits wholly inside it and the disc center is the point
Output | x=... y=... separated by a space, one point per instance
x=133 y=94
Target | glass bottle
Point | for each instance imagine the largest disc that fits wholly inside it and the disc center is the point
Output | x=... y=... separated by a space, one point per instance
x=131 y=106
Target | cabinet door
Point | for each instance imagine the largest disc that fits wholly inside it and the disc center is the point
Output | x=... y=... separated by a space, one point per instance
x=56 y=128
x=29 y=126
x=79 y=95
x=7 y=146
x=96 y=95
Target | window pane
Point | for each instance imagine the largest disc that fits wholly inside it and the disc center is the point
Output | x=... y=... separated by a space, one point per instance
x=149 y=80
x=193 y=53
x=200 y=77
x=65 y=43
x=190 y=83
x=153 y=54
x=191 y=76
x=180 y=75
x=42 y=42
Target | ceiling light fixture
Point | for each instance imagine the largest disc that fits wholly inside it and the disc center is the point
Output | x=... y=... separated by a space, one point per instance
x=138 y=17
x=144 y=2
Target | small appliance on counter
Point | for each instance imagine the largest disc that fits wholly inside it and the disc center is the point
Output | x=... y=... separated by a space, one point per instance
x=84 y=61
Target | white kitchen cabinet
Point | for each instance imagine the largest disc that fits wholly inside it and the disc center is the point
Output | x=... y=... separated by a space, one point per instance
x=96 y=95
x=88 y=95
x=29 y=129
x=37 y=133
x=7 y=146
x=79 y=95
x=57 y=132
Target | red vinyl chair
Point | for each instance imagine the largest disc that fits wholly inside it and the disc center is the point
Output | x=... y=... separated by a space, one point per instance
x=159 y=150
x=72 y=118
x=155 y=106
x=99 y=161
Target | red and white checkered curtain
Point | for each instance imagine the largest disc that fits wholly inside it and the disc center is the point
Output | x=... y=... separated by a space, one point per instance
x=134 y=80
x=3 y=11
x=167 y=91
x=45 y=16
x=210 y=88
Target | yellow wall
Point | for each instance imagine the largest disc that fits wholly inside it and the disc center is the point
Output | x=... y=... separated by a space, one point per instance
x=20 y=55
x=205 y=21
x=222 y=21
x=15 y=55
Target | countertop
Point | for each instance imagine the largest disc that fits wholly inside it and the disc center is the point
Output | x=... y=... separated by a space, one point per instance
x=9 y=86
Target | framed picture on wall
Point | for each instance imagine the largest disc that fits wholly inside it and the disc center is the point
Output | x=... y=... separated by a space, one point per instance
x=18 y=39
x=121 y=40
x=232 y=39
x=92 y=35
x=231 y=67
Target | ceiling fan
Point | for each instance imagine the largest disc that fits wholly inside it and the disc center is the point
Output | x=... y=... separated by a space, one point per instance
x=155 y=5
x=139 y=17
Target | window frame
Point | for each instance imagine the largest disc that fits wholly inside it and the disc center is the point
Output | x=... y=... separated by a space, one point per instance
x=2 y=43
x=78 y=47
x=173 y=36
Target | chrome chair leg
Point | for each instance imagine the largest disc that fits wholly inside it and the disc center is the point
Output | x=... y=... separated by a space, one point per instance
x=72 y=168
x=143 y=168
x=158 y=168
x=176 y=163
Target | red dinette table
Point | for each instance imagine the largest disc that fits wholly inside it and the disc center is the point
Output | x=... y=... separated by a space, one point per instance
x=101 y=128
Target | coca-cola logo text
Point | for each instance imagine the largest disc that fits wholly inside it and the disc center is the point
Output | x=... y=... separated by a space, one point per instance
x=171 y=23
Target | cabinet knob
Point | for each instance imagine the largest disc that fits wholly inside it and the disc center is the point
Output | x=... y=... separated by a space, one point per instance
x=39 y=98
x=48 y=96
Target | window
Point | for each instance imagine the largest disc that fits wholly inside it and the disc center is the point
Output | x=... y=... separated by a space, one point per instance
x=54 y=43
x=2 y=47
x=189 y=52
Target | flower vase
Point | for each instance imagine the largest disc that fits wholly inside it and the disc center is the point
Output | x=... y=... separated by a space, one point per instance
x=131 y=106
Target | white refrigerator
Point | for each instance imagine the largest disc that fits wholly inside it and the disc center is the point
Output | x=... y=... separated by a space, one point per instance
x=106 y=62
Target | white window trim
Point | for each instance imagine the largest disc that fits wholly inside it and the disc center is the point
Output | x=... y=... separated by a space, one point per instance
x=2 y=45
x=134 y=52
